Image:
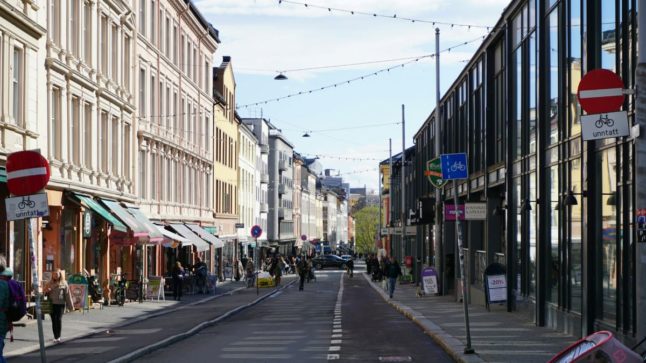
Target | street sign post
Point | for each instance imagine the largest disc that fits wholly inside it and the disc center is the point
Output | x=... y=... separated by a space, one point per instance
x=434 y=173
x=604 y=126
x=27 y=174
x=454 y=166
x=256 y=231
x=601 y=91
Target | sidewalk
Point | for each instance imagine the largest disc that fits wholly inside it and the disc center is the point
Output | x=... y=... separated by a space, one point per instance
x=496 y=336
x=79 y=324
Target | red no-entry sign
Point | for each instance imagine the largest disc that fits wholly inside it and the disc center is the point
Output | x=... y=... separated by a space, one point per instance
x=601 y=91
x=27 y=172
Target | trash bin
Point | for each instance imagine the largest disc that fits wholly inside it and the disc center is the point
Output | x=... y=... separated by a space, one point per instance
x=600 y=347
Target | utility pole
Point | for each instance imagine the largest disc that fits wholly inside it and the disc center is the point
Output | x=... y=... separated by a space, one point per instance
x=640 y=173
x=390 y=189
x=403 y=188
x=437 y=227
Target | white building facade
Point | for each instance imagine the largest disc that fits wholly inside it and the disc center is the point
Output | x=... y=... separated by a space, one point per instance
x=260 y=128
x=249 y=182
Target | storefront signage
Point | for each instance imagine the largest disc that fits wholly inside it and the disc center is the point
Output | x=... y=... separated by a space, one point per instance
x=239 y=225
x=429 y=280
x=449 y=212
x=27 y=206
x=87 y=224
x=604 y=126
x=154 y=288
x=475 y=211
x=497 y=288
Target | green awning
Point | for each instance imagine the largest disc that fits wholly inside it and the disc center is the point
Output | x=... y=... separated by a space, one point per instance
x=88 y=202
x=3 y=175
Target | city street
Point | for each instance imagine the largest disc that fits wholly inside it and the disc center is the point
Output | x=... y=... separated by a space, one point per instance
x=308 y=326
x=334 y=318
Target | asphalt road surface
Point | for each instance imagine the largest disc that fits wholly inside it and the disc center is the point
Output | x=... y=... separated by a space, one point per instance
x=334 y=318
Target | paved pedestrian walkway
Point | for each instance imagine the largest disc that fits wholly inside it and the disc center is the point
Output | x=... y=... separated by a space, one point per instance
x=79 y=324
x=496 y=335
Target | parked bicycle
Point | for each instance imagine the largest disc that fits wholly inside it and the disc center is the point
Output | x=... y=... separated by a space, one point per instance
x=119 y=286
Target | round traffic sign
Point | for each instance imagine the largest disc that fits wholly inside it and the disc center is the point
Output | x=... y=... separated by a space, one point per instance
x=601 y=91
x=303 y=237
x=27 y=172
x=256 y=231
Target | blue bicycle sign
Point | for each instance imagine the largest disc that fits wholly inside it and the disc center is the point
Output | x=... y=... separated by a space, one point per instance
x=454 y=166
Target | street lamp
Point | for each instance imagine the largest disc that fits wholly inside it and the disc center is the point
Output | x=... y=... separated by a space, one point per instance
x=280 y=77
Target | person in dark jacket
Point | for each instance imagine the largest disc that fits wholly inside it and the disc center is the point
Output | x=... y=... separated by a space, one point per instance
x=178 y=277
x=350 y=266
x=393 y=271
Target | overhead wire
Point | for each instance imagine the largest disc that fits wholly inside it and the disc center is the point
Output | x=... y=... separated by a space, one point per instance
x=387 y=16
x=359 y=78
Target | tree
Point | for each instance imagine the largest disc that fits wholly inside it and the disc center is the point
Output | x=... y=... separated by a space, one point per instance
x=366 y=222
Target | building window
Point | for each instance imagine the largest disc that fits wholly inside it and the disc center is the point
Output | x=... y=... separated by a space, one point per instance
x=114 y=139
x=74 y=27
x=89 y=141
x=553 y=77
x=153 y=36
x=142 y=17
x=18 y=85
x=115 y=53
x=55 y=21
x=103 y=46
x=75 y=131
x=87 y=33
x=55 y=125
x=153 y=175
x=168 y=38
x=152 y=95
x=142 y=92
x=126 y=151
x=174 y=44
x=126 y=63
x=142 y=174
x=103 y=139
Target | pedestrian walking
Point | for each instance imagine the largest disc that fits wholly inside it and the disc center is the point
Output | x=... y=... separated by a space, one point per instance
x=393 y=271
x=4 y=306
x=350 y=266
x=58 y=293
x=278 y=267
x=178 y=279
x=250 y=273
x=301 y=268
x=200 y=270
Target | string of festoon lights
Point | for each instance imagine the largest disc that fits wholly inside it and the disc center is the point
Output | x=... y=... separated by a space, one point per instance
x=359 y=78
x=387 y=16
x=336 y=157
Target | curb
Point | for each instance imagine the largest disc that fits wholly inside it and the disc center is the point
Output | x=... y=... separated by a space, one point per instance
x=450 y=344
x=134 y=320
x=178 y=337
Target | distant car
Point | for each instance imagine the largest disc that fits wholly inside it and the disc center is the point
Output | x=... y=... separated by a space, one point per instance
x=321 y=262
x=347 y=257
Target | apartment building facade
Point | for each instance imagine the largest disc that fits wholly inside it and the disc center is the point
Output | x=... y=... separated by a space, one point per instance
x=226 y=161
x=280 y=225
x=260 y=128
x=249 y=187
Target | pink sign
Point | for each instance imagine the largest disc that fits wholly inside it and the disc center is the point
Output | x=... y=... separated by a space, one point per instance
x=449 y=212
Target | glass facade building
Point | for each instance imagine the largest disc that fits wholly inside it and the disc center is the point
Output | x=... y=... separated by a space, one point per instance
x=559 y=208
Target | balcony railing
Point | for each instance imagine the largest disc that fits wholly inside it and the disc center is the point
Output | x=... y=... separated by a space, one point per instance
x=264 y=207
x=264 y=149
x=264 y=178
x=281 y=188
x=282 y=165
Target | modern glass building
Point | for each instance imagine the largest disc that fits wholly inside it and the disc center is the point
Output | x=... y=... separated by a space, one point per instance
x=559 y=208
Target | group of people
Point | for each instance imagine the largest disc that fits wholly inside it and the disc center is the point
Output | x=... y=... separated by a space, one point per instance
x=387 y=267
x=179 y=274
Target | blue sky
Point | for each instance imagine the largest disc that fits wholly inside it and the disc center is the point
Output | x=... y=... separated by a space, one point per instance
x=352 y=121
